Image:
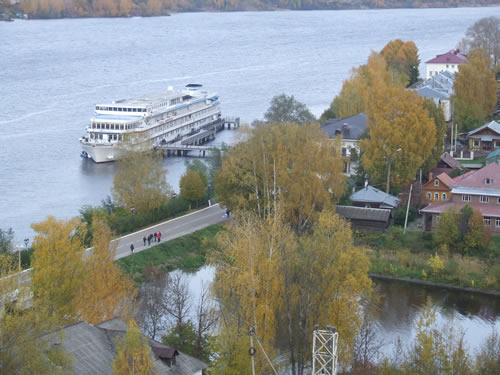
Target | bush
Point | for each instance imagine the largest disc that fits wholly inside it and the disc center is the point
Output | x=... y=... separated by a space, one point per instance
x=400 y=215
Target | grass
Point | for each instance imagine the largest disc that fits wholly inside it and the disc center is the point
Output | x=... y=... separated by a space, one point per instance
x=186 y=253
x=398 y=255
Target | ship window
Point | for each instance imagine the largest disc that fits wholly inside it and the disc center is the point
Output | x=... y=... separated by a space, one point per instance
x=98 y=126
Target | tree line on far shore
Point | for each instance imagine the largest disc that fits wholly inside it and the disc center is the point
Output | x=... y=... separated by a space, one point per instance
x=121 y=8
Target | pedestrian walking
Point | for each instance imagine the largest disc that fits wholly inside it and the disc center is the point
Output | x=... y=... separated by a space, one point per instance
x=132 y=248
x=154 y=237
x=149 y=240
x=144 y=239
x=159 y=236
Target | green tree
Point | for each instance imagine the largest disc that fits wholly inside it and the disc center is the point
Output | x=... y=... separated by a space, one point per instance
x=462 y=231
x=296 y=167
x=435 y=113
x=58 y=266
x=287 y=109
x=401 y=137
x=188 y=333
x=475 y=91
x=193 y=186
x=140 y=181
x=133 y=354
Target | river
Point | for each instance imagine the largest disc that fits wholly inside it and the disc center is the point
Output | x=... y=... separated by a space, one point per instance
x=400 y=307
x=53 y=72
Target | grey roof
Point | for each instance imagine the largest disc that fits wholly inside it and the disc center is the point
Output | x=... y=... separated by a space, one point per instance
x=93 y=349
x=438 y=86
x=362 y=213
x=349 y=127
x=493 y=125
x=369 y=194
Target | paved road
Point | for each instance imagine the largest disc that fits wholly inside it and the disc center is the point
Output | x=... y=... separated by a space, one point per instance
x=170 y=229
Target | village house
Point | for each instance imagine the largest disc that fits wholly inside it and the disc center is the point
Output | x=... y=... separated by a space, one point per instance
x=486 y=137
x=480 y=189
x=438 y=88
x=446 y=164
x=438 y=189
x=350 y=130
x=92 y=349
x=369 y=219
x=448 y=61
x=371 y=197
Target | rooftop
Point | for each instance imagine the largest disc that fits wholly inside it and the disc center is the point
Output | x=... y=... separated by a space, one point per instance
x=362 y=213
x=349 y=127
x=487 y=178
x=439 y=208
x=370 y=194
x=492 y=125
x=450 y=57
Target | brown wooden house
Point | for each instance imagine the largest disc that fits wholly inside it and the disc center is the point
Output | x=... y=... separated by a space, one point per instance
x=438 y=189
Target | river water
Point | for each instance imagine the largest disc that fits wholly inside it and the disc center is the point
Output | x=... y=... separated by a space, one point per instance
x=53 y=72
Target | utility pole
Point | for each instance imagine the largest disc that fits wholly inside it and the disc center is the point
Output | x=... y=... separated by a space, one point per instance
x=251 y=351
x=407 y=208
x=325 y=351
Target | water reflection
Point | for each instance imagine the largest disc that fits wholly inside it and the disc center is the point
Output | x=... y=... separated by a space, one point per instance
x=400 y=307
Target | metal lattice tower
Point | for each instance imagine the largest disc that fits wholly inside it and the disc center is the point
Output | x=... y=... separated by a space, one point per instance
x=325 y=352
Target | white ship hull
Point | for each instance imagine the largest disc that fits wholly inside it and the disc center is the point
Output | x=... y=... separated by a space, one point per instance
x=159 y=119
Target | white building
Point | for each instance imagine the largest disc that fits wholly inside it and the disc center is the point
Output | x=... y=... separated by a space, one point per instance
x=439 y=88
x=447 y=62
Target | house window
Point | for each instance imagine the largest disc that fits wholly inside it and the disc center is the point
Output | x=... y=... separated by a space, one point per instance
x=487 y=181
x=475 y=143
x=466 y=198
x=436 y=182
x=436 y=196
x=453 y=66
x=484 y=199
x=497 y=223
x=429 y=196
x=444 y=196
x=498 y=200
x=447 y=66
x=487 y=221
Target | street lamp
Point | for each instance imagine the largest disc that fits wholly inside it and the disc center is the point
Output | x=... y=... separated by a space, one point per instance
x=26 y=242
x=389 y=170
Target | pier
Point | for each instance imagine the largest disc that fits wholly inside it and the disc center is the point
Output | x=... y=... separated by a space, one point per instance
x=196 y=141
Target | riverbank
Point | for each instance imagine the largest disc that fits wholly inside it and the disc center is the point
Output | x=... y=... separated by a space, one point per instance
x=414 y=257
x=187 y=253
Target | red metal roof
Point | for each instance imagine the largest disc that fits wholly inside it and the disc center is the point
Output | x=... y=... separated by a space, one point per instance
x=450 y=57
x=477 y=179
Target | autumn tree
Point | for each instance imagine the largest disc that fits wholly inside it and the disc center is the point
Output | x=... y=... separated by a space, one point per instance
x=475 y=91
x=140 y=180
x=363 y=85
x=401 y=136
x=402 y=62
x=25 y=347
x=485 y=35
x=58 y=270
x=286 y=109
x=488 y=358
x=6 y=238
x=105 y=292
x=192 y=186
x=462 y=230
x=133 y=354
x=296 y=166
x=282 y=285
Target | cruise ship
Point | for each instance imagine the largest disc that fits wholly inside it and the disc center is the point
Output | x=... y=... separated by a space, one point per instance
x=159 y=119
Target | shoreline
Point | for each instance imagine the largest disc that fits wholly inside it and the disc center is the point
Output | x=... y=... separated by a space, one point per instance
x=433 y=284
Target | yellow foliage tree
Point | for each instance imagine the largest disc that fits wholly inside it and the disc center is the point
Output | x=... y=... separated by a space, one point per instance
x=365 y=82
x=296 y=167
x=475 y=91
x=402 y=61
x=58 y=266
x=106 y=292
x=401 y=136
x=192 y=186
x=133 y=354
x=140 y=180
x=283 y=285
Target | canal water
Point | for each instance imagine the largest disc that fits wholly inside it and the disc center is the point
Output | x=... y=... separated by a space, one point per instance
x=400 y=307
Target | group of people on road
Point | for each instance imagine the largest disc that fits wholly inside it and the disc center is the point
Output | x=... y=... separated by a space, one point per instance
x=154 y=237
